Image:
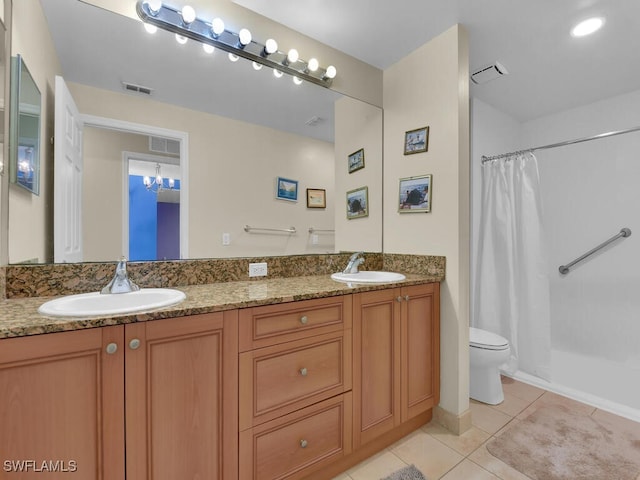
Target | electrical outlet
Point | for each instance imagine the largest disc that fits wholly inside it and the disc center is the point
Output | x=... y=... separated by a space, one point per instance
x=226 y=239
x=258 y=269
x=314 y=239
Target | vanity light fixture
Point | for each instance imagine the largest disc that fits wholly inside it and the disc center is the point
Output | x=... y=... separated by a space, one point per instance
x=186 y=24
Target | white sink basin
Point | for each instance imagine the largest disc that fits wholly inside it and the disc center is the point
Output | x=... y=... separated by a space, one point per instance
x=368 y=277
x=95 y=303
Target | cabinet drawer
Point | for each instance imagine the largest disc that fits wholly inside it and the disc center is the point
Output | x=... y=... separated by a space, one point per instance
x=276 y=380
x=273 y=324
x=293 y=446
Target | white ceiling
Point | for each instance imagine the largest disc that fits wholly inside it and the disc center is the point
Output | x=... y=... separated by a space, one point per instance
x=549 y=70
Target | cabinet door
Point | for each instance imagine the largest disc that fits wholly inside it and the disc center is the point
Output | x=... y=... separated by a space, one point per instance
x=62 y=398
x=181 y=402
x=376 y=364
x=420 y=327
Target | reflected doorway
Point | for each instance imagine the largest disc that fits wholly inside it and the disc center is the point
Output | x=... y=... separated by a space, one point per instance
x=154 y=207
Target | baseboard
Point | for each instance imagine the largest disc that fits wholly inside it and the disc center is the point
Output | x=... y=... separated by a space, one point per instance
x=457 y=424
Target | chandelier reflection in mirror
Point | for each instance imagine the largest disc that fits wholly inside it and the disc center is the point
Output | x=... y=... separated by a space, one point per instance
x=213 y=34
x=157 y=185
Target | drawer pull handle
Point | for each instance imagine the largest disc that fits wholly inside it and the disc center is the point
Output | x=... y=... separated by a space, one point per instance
x=112 y=348
x=303 y=444
x=303 y=372
x=304 y=320
x=134 y=344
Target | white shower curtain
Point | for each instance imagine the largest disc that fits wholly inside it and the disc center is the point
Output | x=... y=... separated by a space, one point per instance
x=512 y=286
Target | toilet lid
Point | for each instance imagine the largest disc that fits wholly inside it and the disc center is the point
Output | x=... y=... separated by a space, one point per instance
x=483 y=339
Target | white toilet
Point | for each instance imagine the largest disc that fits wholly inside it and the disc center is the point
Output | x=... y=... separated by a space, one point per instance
x=487 y=352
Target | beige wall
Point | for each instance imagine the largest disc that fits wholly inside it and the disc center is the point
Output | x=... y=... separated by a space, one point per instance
x=232 y=173
x=430 y=87
x=358 y=125
x=30 y=215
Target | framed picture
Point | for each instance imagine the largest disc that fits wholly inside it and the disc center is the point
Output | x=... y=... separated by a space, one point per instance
x=286 y=189
x=416 y=141
x=316 y=198
x=356 y=160
x=415 y=194
x=358 y=203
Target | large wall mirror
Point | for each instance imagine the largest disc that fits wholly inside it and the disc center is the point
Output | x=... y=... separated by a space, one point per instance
x=241 y=128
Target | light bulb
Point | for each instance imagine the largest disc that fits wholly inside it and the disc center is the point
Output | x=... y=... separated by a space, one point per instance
x=172 y=183
x=233 y=58
x=147 y=181
x=158 y=180
x=188 y=14
x=331 y=72
x=277 y=73
x=270 y=46
x=154 y=6
x=293 y=56
x=180 y=39
x=150 y=28
x=217 y=27
x=245 y=37
x=297 y=81
x=313 y=65
x=257 y=66
x=208 y=48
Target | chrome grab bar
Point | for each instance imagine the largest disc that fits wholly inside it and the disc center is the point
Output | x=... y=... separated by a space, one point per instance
x=564 y=269
x=249 y=229
x=318 y=230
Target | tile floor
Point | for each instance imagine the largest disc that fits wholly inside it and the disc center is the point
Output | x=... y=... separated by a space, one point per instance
x=439 y=454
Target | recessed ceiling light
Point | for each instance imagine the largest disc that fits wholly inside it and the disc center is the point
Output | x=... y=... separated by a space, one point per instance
x=587 y=27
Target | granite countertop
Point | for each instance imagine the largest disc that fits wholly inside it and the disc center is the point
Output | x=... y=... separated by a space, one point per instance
x=19 y=317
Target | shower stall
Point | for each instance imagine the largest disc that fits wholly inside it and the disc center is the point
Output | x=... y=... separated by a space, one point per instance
x=589 y=191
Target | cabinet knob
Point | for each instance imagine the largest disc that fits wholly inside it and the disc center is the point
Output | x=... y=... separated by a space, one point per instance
x=399 y=298
x=303 y=444
x=406 y=297
x=112 y=348
x=134 y=344
x=303 y=372
x=304 y=319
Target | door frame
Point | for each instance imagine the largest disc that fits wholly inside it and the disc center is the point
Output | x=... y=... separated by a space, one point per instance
x=142 y=129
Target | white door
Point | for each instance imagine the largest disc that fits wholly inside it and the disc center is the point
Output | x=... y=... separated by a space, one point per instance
x=67 y=207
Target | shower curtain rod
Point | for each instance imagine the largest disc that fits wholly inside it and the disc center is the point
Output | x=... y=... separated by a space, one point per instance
x=561 y=144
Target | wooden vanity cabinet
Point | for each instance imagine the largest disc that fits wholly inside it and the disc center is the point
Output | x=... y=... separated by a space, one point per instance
x=396 y=358
x=62 y=405
x=295 y=387
x=168 y=386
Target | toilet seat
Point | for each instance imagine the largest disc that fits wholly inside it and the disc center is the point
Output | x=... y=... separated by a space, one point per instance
x=479 y=338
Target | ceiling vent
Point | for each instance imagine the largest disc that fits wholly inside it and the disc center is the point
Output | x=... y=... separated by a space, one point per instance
x=132 y=87
x=164 y=145
x=488 y=73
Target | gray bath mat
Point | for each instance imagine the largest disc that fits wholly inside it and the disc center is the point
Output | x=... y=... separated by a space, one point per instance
x=555 y=444
x=407 y=473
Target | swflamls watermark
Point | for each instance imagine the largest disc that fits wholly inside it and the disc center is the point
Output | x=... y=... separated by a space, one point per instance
x=40 y=466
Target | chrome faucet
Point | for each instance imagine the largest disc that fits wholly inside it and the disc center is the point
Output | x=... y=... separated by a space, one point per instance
x=355 y=260
x=120 y=283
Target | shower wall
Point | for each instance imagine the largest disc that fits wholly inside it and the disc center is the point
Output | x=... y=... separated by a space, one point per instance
x=589 y=192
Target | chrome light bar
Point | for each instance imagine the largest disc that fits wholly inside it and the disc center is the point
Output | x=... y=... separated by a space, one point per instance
x=170 y=19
